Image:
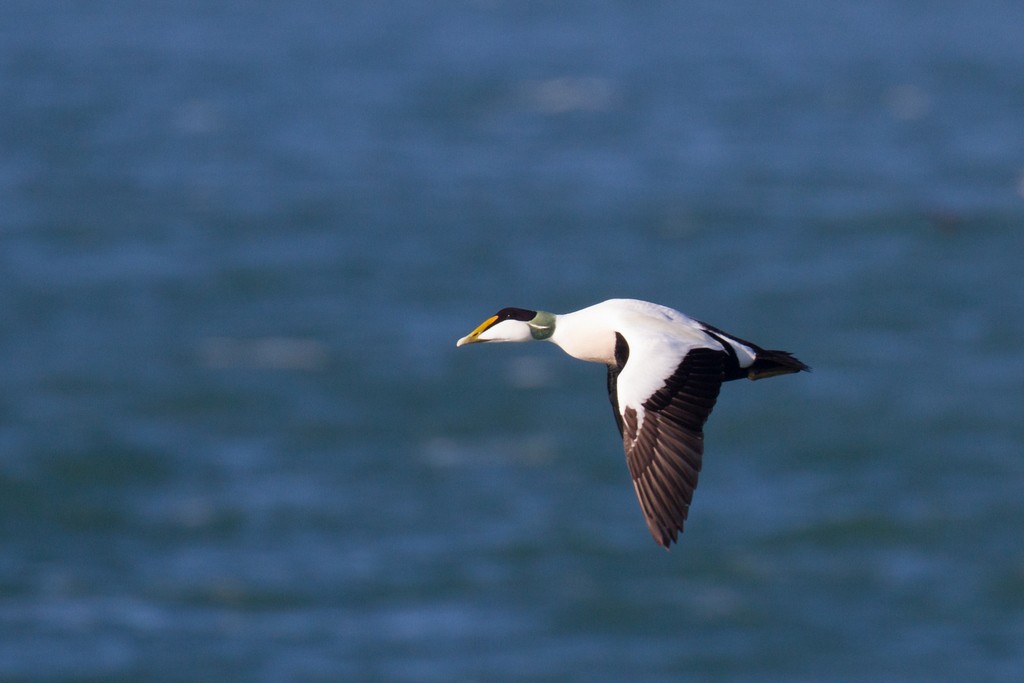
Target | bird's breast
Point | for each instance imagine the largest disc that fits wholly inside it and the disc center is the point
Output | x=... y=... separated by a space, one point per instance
x=592 y=345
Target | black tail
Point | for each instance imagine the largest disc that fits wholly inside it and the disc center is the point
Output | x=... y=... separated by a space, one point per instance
x=769 y=363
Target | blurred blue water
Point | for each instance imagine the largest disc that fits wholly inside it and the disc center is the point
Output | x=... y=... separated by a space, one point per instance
x=238 y=244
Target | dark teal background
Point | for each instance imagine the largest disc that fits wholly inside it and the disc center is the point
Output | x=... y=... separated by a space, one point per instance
x=238 y=242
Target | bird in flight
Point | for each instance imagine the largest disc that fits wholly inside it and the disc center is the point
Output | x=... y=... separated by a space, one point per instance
x=664 y=373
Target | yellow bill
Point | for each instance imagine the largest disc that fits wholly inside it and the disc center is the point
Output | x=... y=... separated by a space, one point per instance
x=472 y=336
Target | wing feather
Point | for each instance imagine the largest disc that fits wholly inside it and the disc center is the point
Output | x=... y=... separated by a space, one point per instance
x=664 y=439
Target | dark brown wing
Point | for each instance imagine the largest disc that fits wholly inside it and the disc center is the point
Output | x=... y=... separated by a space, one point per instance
x=664 y=458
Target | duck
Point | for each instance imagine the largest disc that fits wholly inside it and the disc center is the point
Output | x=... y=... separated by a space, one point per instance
x=665 y=370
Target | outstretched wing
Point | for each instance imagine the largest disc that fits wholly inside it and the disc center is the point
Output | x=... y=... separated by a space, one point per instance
x=663 y=435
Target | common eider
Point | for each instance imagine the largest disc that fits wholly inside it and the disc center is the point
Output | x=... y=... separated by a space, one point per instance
x=664 y=373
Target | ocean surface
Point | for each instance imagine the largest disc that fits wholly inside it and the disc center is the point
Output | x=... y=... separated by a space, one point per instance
x=238 y=242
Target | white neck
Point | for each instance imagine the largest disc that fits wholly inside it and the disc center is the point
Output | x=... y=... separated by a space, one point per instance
x=585 y=336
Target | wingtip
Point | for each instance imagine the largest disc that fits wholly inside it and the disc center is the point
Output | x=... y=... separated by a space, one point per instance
x=666 y=538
